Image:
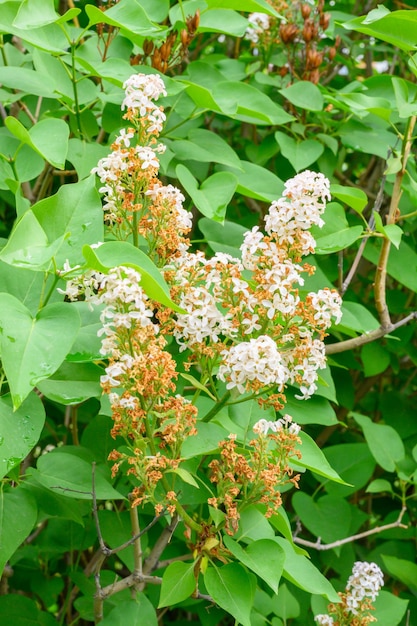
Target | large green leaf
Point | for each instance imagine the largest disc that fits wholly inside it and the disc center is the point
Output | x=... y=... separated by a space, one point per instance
x=329 y=517
x=353 y=462
x=398 y=28
x=403 y=570
x=263 y=557
x=49 y=138
x=312 y=458
x=19 y=430
x=299 y=570
x=205 y=146
x=73 y=383
x=226 y=237
x=18 y=512
x=305 y=95
x=214 y=195
x=257 y=182
x=135 y=612
x=35 y=13
x=223 y=20
x=70 y=475
x=28 y=82
x=232 y=589
x=352 y=196
x=384 y=442
x=338 y=241
x=253 y=106
x=128 y=15
x=178 y=583
x=32 y=348
x=116 y=253
x=389 y=609
x=75 y=212
x=300 y=154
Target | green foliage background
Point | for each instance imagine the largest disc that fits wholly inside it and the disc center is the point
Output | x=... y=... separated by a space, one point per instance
x=237 y=128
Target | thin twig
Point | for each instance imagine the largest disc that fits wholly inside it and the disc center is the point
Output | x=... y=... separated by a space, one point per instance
x=160 y=545
x=355 y=342
x=317 y=545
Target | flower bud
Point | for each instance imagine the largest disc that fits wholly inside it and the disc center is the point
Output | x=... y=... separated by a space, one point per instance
x=313 y=59
x=325 y=20
x=147 y=47
x=288 y=32
x=305 y=11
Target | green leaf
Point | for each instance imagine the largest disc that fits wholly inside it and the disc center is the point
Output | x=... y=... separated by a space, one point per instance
x=316 y=410
x=353 y=462
x=300 y=154
x=35 y=13
x=253 y=106
x=135 y=612
x=49 y=138
x=352 y=196
x=285 y=604
x=357 y=317
x=338 y=241
x=313 y=459
x=196 y=383
x=73 y=383
x=72 y=476
x=32 y=348
x=226 y=237
x=379 y=485
x=117 y=253
x=249 y=6
x=374 y=358
x=87 y=344
x=128 y=15
x=75 y=212
x=207 y=147
x=231 y=588
x=402 y=569
x=384 y=442
x=253 y=525
x=398 y=28
x=300 y=571
x=18 y=513
x=214 y=194
x=186 y=476
x=19 y=430
x=305 y=95
x=263 y=557
x=28 y=82
x=205 y=442
x=178 y=583
x=402 y=263
x=84 y=156
x=329 y=517
x=389 y=609
x=223 y=20
x=257 y=182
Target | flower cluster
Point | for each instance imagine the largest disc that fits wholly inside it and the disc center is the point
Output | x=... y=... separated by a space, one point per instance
x=362 y=589
x=258 y=24
x=244 y=323
x=254 y=475
x=135 y=202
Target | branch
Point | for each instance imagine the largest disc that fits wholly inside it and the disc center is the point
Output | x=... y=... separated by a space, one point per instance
x=163 y=540
x=317 y=545
x=355 y=342
x=393 y=214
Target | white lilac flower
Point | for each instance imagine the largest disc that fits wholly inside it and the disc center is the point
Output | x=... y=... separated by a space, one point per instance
x=263 y=426
x=203 y=319
x=147 y=156
x=253 y=244
x=124 y=137
x=324 y=620
x=140 y=90
x=258 y=23
x=327 y=305
x=365 y=582
x=255 y=360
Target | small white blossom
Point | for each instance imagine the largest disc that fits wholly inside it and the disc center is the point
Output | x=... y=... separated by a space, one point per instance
x=254 y=360
x=284 y=423
x=324 y=620
x=365 y=582
x=327 y=304
x=258 y=23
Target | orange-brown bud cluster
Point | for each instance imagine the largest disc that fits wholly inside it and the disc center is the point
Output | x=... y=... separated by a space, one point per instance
x=172 y=51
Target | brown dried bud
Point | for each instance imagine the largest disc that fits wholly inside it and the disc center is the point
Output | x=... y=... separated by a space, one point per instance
x=165 y=51
x=325 y=20
x=147 y=47
x=288 y=32
x=156 y=59
x=283 y=71
x=184 y=38
x=313 y=59
x=193 y=22
x=305 y=11
x=314 y=77
x=310 y=31
x=337 y=41
x=196 y=20
x=331 y=53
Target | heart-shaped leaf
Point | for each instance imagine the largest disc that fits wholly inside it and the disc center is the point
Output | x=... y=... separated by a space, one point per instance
x=32 y=348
